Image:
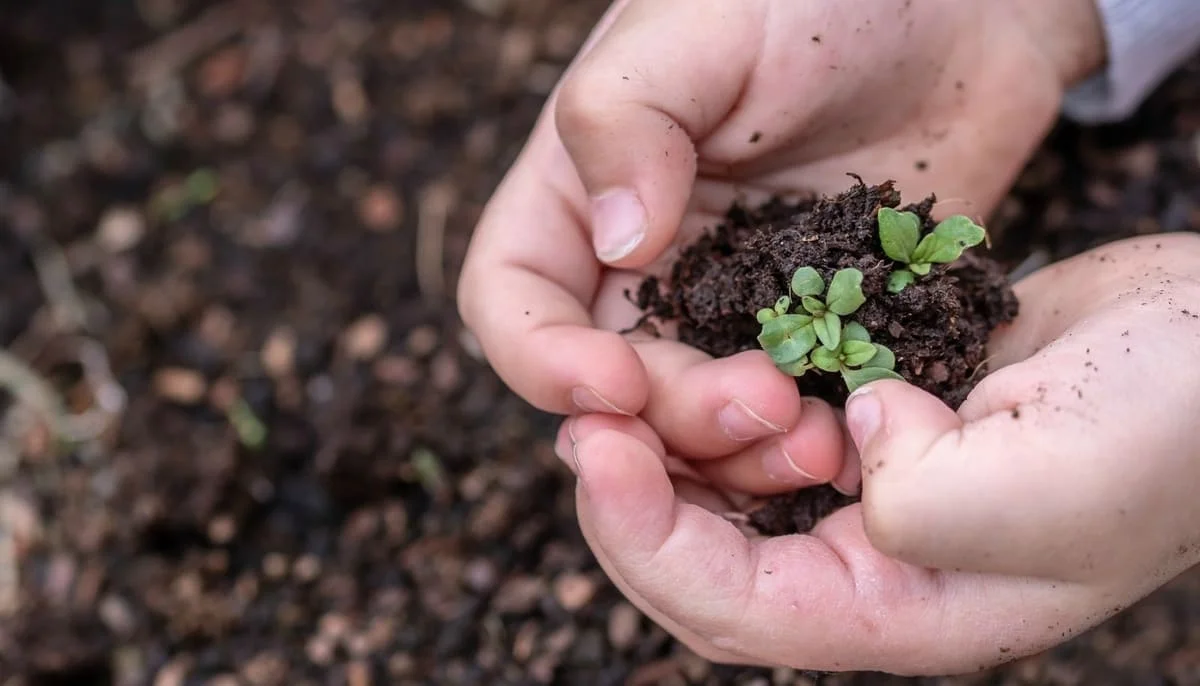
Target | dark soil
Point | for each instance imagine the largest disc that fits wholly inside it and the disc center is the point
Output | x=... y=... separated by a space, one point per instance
x=404 y=521
x=938 y=327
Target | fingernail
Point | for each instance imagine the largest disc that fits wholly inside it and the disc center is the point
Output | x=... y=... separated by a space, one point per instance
x=618 y=224
x=779 y=466
x=741 y=423
x=564 y=444
x=864 y=414
x=589 y=399
x=839 y=489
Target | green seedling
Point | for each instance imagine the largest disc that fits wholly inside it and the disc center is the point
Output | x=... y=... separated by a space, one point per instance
x=813 y=337
x=900 y=235
x=857 y=359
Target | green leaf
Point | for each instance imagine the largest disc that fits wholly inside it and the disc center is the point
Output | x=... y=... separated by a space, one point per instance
x=857 y=353
x=860 y=377
x=794 y=346
x=783 y=305
x=943 y=251
x=826 y=360
x=765 y=315
x=855 y=332
x=898 y=232
x=884 y=358
x=920 y=268
x=780 y=329
x=961 y=230
x=829 y=330
x=924 y=248
x=814 y=306
x=806 y=281
x=797 y=368
x=845 y=292
x=899 y=280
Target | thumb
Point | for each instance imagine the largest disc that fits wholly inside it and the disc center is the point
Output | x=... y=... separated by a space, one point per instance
x=631 y=109
x=979 y=496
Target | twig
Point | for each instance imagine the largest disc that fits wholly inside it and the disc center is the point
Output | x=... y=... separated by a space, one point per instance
x=170 y=53
x=433 y=211
x=54 y=274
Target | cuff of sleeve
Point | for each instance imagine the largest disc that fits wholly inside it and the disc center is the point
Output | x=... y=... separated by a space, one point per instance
x=1147 y=40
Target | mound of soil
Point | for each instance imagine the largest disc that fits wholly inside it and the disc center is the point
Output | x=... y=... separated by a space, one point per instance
x=938 y=327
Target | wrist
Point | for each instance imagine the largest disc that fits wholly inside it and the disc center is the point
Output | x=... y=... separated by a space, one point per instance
x=1070 y=33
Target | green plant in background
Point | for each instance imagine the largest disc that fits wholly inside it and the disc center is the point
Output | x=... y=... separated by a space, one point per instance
x=813 y=337
x=900 y=234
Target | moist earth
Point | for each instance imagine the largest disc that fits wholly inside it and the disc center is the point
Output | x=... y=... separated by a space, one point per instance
x=938 y=326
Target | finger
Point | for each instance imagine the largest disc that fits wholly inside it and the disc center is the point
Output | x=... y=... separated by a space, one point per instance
x=824 y=602
x=1002 y=486
x=701 y=407
x=524 y=299
x=849 y=479
x=705 y=408
x=811 y=453
x=630 y=111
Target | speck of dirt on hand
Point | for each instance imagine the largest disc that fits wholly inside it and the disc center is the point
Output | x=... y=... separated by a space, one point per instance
x=816 y=39
x=921 y=165
x=756 y=136
x=1016 y=413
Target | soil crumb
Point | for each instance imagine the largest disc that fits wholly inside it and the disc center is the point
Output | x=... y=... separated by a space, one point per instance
x=938 y=327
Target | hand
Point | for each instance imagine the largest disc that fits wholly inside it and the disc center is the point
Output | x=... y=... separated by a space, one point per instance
x=1061 y=492
x=677 y=107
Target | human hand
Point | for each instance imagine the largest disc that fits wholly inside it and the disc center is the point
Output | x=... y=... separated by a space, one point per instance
x=676 y=108
x=1061 y=492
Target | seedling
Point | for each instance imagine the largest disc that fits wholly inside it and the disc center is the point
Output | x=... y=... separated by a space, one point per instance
x=900 y=235
x=791 y=338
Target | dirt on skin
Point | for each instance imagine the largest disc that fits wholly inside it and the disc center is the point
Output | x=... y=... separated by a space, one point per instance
x=938 y=326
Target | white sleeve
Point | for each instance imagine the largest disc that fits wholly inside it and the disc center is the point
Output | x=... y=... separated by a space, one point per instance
x=1147 y=40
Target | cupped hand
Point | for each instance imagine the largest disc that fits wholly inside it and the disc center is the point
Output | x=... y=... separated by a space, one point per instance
x=677 y=107
x=1061 y=492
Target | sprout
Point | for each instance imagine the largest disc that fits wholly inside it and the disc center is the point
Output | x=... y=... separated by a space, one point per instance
x=791 y=338
x=900 y=236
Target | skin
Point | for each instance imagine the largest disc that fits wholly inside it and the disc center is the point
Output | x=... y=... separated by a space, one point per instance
x=983 y=535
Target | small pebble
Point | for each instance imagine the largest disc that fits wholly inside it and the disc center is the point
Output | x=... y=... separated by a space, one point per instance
x=307 y=568
x=422 y=341
x=265 y=669
x=525 y=641
x=518 y=594
x=574 y=591
x=366 y=337
x=445 y=372
x=275 y=566
x=480 y=575
x=279 y=353
x=320 y=650
x=183 y=386
x=398 y=370
x=358 y=674
x=623 y=622
x=380 y=209
x=116 y=615
x=120 y=229
x=222 y=529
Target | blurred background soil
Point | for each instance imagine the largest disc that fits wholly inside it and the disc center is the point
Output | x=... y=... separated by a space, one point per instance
x=229 y=235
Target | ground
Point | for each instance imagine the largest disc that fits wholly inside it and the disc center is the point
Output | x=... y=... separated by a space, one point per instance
x=234 y=229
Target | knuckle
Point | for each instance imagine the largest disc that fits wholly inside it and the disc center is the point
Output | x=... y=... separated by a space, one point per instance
x=581 y=103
